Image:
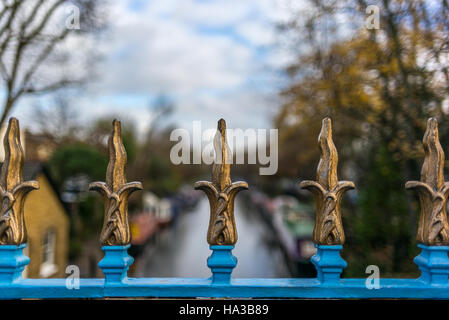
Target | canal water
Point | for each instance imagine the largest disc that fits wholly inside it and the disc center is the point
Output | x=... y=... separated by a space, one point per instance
x=182 y=250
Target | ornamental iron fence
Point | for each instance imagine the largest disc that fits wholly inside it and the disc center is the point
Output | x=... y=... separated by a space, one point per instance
x=328 y=233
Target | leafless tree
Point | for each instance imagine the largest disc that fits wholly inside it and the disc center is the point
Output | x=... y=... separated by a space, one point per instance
x=41 y=47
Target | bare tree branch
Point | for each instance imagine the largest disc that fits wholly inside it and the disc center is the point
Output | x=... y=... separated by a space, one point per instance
x=44 y=21
x=25 y=45
x=12 y=14
x=7 y=28
x=34 y=12
x=43 y=55
x=51 y=87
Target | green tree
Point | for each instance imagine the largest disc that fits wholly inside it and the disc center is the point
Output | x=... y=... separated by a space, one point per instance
x=73 y=166
x=379 y=86
x=98 y=135
x=77 y=159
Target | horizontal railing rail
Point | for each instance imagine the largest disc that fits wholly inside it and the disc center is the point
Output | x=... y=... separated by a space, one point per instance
x=328 y=233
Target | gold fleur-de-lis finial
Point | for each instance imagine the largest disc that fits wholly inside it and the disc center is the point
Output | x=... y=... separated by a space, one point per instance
x=328 y=191
x=221 y=193
x=13 y=190
x=116 y=191
x=433 y=228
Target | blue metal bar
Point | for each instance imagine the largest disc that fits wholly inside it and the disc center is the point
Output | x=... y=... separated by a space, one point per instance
x=12 y=263
x=328 y=263
x=221 y=263
x=238 y=288
x=433 y=284
x=115 y=264
x=433 y=263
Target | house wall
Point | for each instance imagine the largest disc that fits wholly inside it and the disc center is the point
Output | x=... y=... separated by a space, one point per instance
x=44 y=211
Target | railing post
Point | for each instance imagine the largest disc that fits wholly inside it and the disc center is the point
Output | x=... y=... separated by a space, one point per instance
x=221 y=262
x=434 y=264
x=116 y=234
x=433 y=228
x=328 y=233
x=13 y=191
x=115 y=263
x=328 y=263
x=12 y=262
x=221 y=192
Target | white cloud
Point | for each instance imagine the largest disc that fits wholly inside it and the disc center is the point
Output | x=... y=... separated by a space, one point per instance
x=257 y=33
x=150 y=53
x=204 y=54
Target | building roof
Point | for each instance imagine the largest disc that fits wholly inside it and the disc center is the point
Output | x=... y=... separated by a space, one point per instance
x=31 y=169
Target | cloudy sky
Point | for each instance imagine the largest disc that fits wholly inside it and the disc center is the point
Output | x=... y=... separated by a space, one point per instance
x=214 y=59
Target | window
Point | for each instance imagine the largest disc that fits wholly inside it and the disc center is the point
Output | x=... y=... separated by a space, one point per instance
x=48 y=266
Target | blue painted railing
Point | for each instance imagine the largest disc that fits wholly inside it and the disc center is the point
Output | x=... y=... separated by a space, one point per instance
x=432 y=284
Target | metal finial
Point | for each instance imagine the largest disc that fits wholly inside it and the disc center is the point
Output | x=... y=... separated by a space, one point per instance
x=13 y=189
x=433 y=228
x=116 y=191
x=221 y=193
x=328 y=191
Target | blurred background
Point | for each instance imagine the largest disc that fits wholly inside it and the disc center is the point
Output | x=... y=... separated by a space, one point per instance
x=378 y=68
